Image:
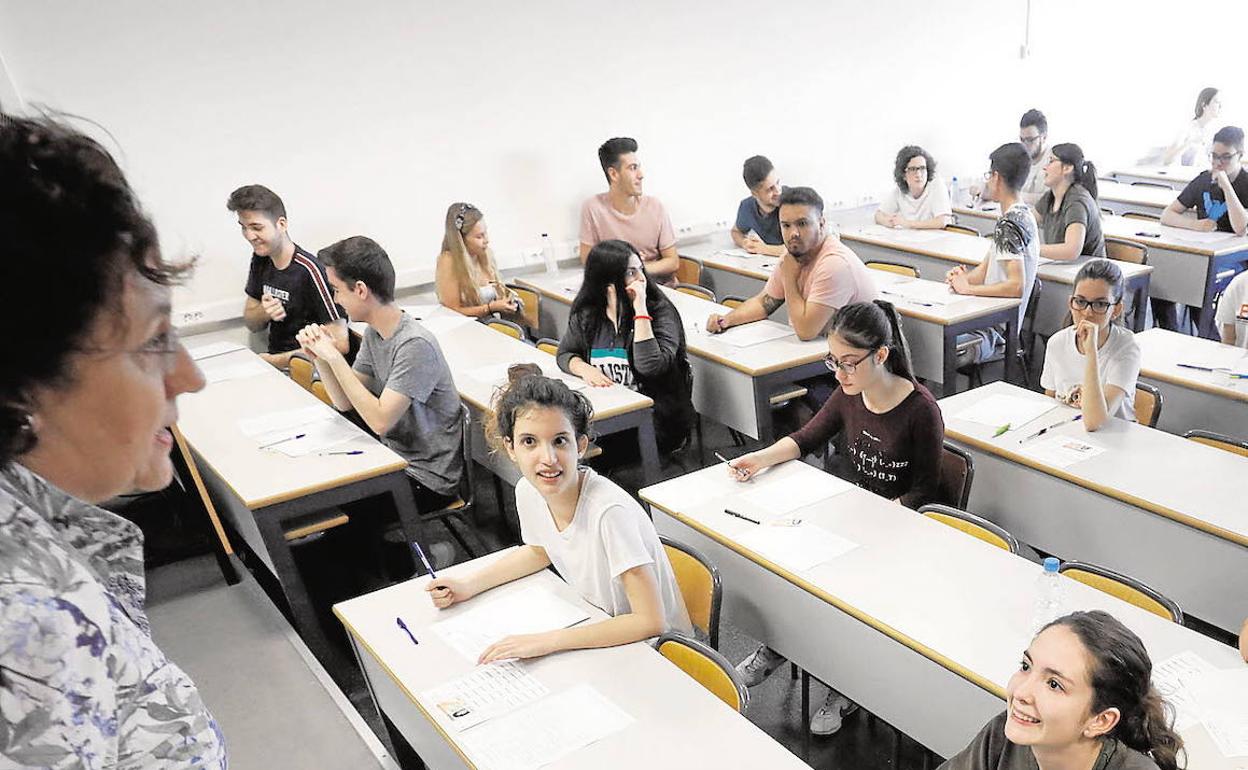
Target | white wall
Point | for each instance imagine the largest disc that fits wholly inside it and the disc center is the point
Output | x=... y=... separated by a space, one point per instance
x=371 y=117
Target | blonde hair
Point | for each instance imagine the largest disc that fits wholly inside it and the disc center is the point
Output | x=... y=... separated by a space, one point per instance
x=460 y=219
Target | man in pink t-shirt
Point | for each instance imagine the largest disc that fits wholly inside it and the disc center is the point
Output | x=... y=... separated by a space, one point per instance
x=623 y=213
x=817 y=276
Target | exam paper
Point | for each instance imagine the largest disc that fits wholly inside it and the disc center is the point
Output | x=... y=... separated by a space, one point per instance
x=1213 y=356
x=906 y=235
x=1171 y=677
x=221 y=371
x=285 y=420
x=200 y=352
x=317 y=437
x=775 y=493
x=931 y=292
x=1000 y=409
x=796 y=548
x=496 y=374
x=1224 y=711
x=544 y=732
x=1195 y=236
x=421 y=313
x=485 y=692
x=1060 y=451
x=444 y=323
x=749 y=334
x=742 y=253
x=528 y=611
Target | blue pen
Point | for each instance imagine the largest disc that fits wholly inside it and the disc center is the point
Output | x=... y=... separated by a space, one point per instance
x=406 y=630
x=352 y=452
x=282 y=441
x=1043 y=431
x=420 y=554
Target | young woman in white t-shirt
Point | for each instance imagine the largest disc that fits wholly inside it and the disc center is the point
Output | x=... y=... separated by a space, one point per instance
x=1098 y=378
x=593 y=532
x=918 y=199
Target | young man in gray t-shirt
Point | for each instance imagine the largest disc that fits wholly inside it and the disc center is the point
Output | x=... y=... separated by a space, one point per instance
x=401 y=385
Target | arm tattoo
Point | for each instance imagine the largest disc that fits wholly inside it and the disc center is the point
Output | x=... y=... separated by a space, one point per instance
x=771 y=304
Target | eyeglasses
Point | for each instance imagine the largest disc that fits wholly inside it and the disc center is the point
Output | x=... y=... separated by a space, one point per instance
x=162 y=349
x=1219 y=157
x=916 y=169
x=1030 y=139
x=1099 y=306
x=849 y=367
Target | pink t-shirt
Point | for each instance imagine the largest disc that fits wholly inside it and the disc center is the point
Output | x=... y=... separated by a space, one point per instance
x=836 y=277
x=649 y=229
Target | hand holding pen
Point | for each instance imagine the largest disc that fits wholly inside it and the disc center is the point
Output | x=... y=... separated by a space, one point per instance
x=741 y=468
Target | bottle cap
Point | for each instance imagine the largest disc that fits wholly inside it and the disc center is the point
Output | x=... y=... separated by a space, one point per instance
x=1051 y=564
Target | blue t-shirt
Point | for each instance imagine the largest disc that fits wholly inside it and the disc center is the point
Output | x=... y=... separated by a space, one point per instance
x=766 y=227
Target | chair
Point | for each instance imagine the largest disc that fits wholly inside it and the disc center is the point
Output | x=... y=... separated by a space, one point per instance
x=962 y=229
x=464 y=504
x=700 y=587
x=318 y=390
x=302 y=371
x=1126 y=588
x=696 y=290
x=1147 y=404
x=1218 y=441
x=1126 y=251
x=893 y=267
x=732 y=302
x=689 y=270
x=707 y=667
x=972 y=525
x=1141 y=215
x=548 y=345
x=531 y=309
x=1027 y=337
x=957 y=471
x=506 y=327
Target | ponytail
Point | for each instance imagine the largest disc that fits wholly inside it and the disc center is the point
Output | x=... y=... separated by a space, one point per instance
x=1150 y=731
x=1086 y=176
x=871 y=326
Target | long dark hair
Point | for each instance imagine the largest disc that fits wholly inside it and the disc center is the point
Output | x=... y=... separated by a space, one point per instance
x=1202 y=100
x=1121 y=679
x=1085 y=170
x=528 y=389
x=871 y=326
x=605 y=266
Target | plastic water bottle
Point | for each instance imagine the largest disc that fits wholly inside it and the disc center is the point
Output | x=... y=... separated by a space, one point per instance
x=1048 y=596
x=953 y=191
x=548 y=254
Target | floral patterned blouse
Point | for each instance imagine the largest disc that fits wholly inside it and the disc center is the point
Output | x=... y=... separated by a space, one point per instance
x=82 y=683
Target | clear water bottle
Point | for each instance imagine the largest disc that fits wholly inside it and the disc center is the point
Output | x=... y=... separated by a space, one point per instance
x=953 y=191
x=1048 y=596
x=548 y=253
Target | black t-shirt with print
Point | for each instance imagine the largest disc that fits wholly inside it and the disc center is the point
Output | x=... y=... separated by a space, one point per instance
x=303 y=290
x=1202 y=192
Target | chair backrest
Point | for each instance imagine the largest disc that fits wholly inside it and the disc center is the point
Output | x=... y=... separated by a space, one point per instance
x=531 y=310
x=1141 y=215
x=467 y=482
x=318 y=390
x=1162 y=185
x=700 y=586
x=695 y=290
x=506 y=327
x=957 y=471
x=301 y=371
x=1218 y=441
x=963 y=229
x=548 y=345
x=1126 y=588
x=707 y=667
x=1147 y=404
x=972 y=525
x=1126 y=251
x=1029 y=315
x=893 y=267
x=732 y=302
x=689 y=270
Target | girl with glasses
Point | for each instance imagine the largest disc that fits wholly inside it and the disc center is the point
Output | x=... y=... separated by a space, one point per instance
x=1094 y=363
x=918 y=199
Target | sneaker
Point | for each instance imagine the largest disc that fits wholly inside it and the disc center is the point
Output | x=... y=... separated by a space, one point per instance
x=761 y=664
x=828 y=719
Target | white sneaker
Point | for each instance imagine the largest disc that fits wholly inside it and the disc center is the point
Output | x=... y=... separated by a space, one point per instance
x=760 y=664
x=828 y=719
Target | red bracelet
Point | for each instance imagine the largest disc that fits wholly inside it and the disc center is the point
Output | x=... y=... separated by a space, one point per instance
x=642 y=318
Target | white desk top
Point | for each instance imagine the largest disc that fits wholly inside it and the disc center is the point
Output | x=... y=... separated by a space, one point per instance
x=1148 y=468
x=679 y=724
x=1107 y=190
x=1161 y=352
x=973 y=620
x=1181 y=174
x=209 y=421
x=1173 y=238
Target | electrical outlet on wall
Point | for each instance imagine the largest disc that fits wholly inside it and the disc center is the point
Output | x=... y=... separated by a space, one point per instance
x=188 y=317
x=531 y=256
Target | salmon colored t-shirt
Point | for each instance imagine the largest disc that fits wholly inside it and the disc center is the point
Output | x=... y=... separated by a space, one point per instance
x=649 y=229
x=835 y=277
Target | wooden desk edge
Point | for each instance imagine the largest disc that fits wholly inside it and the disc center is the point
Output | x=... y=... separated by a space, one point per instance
x=927 y=652
x=1115 y=494
x=1203 y=387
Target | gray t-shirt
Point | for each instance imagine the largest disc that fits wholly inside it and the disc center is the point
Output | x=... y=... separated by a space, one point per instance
x=429 y=434
x=1078 y=207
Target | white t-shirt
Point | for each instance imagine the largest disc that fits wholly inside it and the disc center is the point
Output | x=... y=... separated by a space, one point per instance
x=609 y=535
x=932 y=203
x=1233 y=309
x=1118 y=362
x=1021 y=215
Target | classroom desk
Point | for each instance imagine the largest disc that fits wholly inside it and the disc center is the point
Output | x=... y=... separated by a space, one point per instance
x=731 y=384
x=1117 y=197
x=258 y=491
x=470 y=346
x=1155 y=506
x=920 y=624
x=1176 y=177
x=934 y=252
x=931 y=331
x=1194 y=399
x=678 y=723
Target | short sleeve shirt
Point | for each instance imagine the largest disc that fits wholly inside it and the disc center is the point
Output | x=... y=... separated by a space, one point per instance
x=1233 y=309
x=649 y=229
x=933 y=202
x=1078 y=207
x=765 y=226
x=303 y=291
x=1118 y=361
x=1015 y=237
x=835 y=277
x=429 y=435
x=1209 y=200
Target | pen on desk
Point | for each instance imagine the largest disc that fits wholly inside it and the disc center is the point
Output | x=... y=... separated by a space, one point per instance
x=420 y=554
x=352 y=452
x=742 y=516
x=1197 y=367
x=1043 y=431
x=1149 y=235
x=406 y=630
x=282 y=441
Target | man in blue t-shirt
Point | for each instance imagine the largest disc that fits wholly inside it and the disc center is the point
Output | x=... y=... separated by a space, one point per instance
x=757 y=229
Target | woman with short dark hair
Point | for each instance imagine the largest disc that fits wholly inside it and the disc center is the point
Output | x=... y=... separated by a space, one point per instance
x=918 y=200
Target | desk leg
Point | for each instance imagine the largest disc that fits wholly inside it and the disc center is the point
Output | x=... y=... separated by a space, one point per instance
x=1011 y=351
x=648 y=448
x=949 y=363
x=1141 y=304
x=763 y=416
x=298 y=603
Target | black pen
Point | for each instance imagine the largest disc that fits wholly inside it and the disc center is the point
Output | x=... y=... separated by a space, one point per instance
x=1149 y=235
x=741 y=516
x=406 y=630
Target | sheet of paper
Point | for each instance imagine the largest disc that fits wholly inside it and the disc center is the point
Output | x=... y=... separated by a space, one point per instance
x=1171 y=677
x=544 y=732
x=1195 y=236
x=317 y=437
x=1060 y=451
x=286 y=419
x=796 y=548
x=442 y=324
x=932 y=292
x=918 y=236
x=742 y=253
x=772 y=494
x=485 y=692
x=1218 y=357
x=496 y=374
x=200 y=352
x=1000 y=409
x=421 y=312
x=528 y=611
x=1224 y=710
x=754 y=333
x=220 y=371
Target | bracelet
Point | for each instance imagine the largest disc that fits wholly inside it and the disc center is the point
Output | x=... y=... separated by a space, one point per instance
x=642 y=318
